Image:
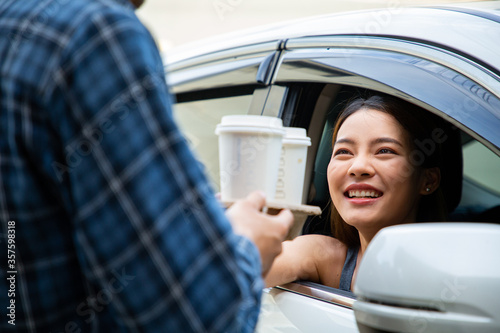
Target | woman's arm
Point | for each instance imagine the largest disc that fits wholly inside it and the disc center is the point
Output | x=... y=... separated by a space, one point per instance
x=314 y=258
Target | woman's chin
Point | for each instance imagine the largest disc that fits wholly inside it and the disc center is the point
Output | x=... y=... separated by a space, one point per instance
x=364 y=222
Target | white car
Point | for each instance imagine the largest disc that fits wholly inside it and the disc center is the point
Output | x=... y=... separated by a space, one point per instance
x=431 y=277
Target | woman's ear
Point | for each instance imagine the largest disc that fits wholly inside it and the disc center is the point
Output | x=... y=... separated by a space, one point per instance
x=431 y=180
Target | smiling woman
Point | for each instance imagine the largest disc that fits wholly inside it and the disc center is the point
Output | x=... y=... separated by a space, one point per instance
x=380 y=174
x=384 y=136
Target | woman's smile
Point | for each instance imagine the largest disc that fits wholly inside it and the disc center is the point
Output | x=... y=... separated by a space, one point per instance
x=362 y=194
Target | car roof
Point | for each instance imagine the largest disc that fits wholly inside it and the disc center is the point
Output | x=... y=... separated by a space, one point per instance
x=469 y=29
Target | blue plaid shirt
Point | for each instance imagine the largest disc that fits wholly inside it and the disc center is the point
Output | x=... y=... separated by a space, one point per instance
x=107 y=221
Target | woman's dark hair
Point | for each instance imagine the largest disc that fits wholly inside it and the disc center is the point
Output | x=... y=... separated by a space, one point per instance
x=423 y=129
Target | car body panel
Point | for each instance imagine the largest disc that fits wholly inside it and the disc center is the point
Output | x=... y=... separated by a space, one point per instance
x=286 y=311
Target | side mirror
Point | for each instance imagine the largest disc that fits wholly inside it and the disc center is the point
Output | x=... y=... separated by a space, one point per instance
x=430 y=277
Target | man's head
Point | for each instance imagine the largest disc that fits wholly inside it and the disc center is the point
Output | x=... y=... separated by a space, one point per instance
x=137 y=3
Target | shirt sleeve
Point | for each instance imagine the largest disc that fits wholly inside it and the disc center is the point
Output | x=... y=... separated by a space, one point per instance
x=148 y=231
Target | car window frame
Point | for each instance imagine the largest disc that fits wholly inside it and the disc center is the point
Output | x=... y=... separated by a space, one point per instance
x=320 y=292
x=238 y=66
x=302 y=54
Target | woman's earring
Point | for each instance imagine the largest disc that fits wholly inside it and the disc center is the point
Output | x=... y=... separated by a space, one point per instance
x=428 y=189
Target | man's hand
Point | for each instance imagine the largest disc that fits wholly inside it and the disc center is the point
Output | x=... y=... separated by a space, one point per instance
x=266 y=231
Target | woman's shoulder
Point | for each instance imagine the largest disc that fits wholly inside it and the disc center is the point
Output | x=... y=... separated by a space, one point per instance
x=329 y=255
x=324 y=248
x=320 y=240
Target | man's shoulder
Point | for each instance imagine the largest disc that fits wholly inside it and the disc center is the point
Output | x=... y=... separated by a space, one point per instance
x=93 y=7
x=35 y=10
x=79 y=13
x=63 y=15
x=62 y=33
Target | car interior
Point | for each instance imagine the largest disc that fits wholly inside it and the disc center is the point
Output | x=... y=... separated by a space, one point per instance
x=467 y=199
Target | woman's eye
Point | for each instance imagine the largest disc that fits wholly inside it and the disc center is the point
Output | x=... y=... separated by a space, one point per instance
x=386 y=151
x=341 y=152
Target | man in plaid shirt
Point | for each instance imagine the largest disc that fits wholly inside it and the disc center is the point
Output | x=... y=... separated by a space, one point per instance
x=107 y=222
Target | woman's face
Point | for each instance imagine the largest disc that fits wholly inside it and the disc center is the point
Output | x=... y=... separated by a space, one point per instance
x=371 y=179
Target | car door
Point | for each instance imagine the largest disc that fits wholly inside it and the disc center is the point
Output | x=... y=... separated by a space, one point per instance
x=318 y=73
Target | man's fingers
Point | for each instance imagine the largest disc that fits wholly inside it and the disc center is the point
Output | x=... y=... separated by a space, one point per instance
x=257 y=199
x=285 y=217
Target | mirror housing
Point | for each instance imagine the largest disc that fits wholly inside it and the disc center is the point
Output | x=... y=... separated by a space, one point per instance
x=430 y=277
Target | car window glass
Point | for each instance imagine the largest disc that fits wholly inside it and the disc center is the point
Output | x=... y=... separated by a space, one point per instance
x=198 y=120
x=481 y=165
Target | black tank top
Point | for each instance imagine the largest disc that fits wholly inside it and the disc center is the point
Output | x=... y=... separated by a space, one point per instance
x=348 y=269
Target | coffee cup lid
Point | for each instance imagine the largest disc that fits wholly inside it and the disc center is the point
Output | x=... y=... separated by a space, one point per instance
x=252 y=121
x=296 y=135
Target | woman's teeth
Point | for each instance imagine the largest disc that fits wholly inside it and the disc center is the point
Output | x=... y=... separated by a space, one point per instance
x=364 y=194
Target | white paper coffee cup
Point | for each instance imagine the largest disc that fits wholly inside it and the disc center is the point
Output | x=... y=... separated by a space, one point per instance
x=290 y=184
x=249 y=155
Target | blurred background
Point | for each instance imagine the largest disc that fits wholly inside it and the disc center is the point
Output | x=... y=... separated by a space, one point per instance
x=178 y=22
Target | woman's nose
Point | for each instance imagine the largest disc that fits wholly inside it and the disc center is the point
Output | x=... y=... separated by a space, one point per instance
x=361 y=166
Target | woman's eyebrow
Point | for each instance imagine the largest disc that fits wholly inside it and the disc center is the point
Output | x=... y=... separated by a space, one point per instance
x=345 y=140
x=386 y=140
x=374 y=141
